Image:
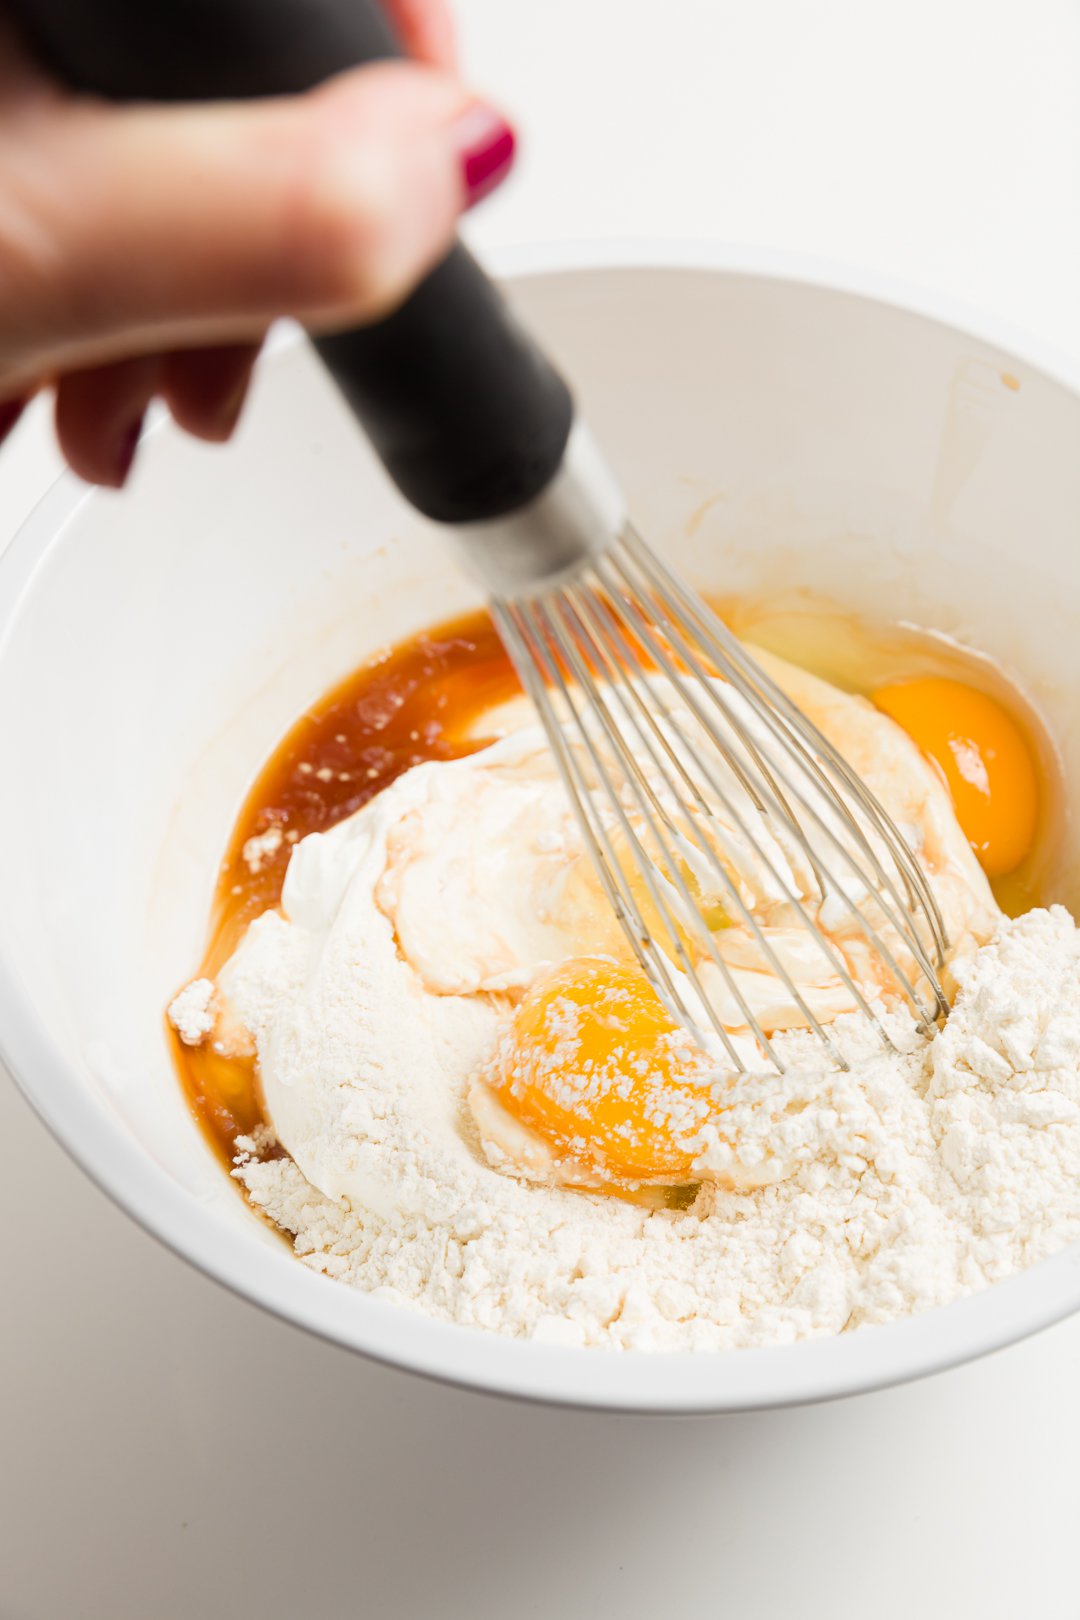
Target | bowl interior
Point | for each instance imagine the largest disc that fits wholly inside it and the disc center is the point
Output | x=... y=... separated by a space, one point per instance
x=155 y=647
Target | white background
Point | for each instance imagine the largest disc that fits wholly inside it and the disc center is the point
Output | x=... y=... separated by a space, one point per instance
x=167 y=1452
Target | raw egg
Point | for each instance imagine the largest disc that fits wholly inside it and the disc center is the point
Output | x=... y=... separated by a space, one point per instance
x=596 y=1065
x=985 y=760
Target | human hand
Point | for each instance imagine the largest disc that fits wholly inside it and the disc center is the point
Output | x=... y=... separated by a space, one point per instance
x=145 y=250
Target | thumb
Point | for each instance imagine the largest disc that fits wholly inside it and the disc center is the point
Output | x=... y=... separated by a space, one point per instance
x=150 y=228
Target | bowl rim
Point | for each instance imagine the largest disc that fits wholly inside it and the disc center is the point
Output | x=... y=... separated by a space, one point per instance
x=659 y=1382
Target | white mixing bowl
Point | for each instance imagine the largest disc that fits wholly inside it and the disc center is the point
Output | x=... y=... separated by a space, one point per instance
x=154 y=648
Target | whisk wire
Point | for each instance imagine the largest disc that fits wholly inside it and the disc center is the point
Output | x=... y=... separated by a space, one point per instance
x=531 y=663
x=636 y=778
x=827 y=879
x=653 y=815
x=783 y=731
x=538 y=669
x=784 y=735
x=719 y=870
x=632 y=783
x=683 y=603
x=651 y=735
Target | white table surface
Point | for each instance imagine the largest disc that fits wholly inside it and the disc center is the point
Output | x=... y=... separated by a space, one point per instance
x=167 y=1452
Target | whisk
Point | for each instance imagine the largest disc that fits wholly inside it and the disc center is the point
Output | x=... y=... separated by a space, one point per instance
x=578 y=647
x=667 y=734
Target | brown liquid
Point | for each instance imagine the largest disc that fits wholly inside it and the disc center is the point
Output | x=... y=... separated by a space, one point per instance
x=414 y=703
x=419 y=701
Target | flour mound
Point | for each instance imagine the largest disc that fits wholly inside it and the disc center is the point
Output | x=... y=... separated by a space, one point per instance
x=920 y=1175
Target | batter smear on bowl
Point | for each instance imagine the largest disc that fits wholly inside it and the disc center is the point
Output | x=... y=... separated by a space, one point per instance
x=424 y=1050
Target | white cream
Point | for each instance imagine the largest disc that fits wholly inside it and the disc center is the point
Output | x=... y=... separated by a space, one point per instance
x=477 y=855
x=354 y=1055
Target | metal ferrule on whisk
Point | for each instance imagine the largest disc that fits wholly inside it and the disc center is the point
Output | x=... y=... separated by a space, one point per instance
x=546 y=543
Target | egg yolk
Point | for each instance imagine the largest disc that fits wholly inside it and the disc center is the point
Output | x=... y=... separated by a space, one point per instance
x=984 y=758
x=595 y=1064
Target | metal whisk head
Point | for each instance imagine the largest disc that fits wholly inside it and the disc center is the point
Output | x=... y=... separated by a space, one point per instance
x=674 y=746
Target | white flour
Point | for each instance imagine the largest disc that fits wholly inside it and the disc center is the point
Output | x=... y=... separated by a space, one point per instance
x=258 y=848
x=191 y=1013
x=925 y=1175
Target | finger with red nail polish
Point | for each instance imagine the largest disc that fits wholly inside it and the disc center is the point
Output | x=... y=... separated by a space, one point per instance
x=99 y=416
x=487 y=145
x=205 y=389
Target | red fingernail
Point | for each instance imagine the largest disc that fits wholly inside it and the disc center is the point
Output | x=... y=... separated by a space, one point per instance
x=126 y=447
x=487 y=145
x=10 y=411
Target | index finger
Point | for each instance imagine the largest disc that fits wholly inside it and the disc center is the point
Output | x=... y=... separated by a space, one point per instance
x=426 y=31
